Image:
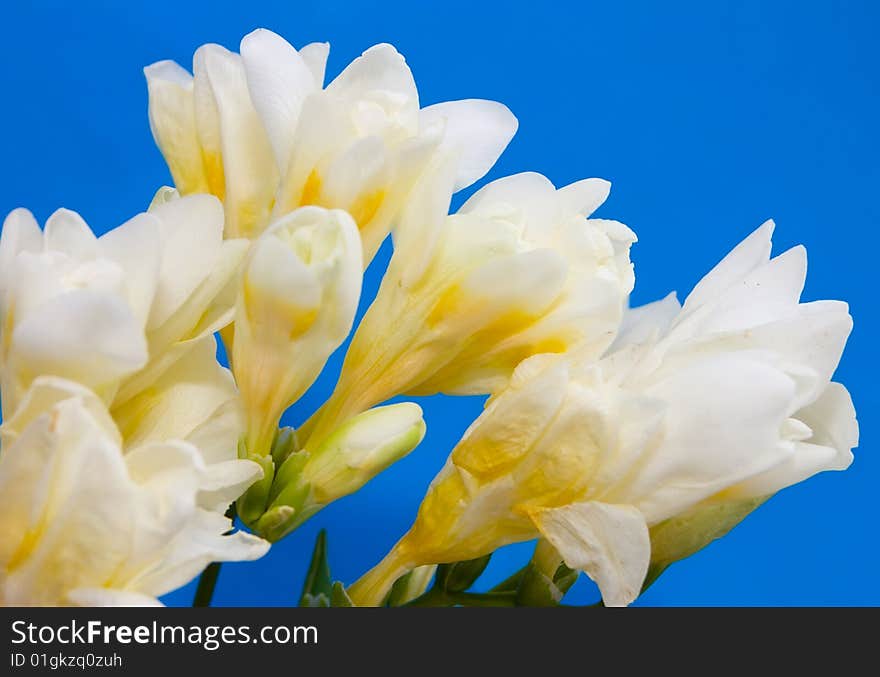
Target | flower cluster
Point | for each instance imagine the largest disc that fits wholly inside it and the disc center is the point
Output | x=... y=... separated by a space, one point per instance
x=622 y=439
x=119 y=436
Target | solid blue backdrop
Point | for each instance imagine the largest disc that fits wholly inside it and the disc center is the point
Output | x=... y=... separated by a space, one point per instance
x=707 y=117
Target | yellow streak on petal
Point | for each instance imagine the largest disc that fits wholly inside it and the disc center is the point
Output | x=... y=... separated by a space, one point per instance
x=366 y=206
x=311 y=190
x=214 y=171
x=293 y=319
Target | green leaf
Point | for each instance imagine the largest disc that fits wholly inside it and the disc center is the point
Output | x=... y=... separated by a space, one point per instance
x=318 y=584
x=459 y=576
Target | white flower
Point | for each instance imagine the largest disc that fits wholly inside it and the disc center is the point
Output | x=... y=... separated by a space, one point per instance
x=519 y=270
x=297 y=298
x=129 y=315
x=727 y=399
x=84 y=524
x=261 y=132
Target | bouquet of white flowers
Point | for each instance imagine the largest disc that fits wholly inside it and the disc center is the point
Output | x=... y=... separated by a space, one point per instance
x=622 y=439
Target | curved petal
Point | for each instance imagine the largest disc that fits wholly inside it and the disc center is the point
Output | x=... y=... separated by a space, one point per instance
x=249 y=169
x=315 y=56
x=744 y=258
x=67 y=232
x=136 y=248
x=173 y=123
x=278 y=80
x=191 y=231
x=21 y=233
x=476 y=132
x=82 y=335
x=610 y=543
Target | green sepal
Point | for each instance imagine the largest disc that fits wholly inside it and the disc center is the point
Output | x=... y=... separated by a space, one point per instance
x=284 y=445
x=339 y=597
x=537 y=589
x=318 y=585
x=252 y=504
x=459 y=576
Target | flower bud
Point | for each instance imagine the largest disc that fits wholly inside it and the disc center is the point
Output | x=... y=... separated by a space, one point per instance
x=355 y=453
x=362 y=448
x=297 y=298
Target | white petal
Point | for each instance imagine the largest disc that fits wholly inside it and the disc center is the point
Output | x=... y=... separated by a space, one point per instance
x=173 y=123
x=83 y=502
x=47 y=391
x=832 y=418
x=380 y=69
x=279 y=80
x=421 y=223
x=354 y=172
x=207 y=310
x=207 y=121
x=835 y=432
x=766 y=293
x=83 y=335
x=217 y=437
x=225 y=482
x=648 y=321
x=809 y=342
x=158 y=462
x=476 y=133
x=610 y=543
x=584 y=197
x=191 y=233
x=67 y=232
x=21 y=233
x=202 y=542
x=315 y=56
x=744 y=258
x=714 y=437
x=526 y=283
x=105 y=597
x=180 y=400
x=249 y=169
x=532 y=196
x=135 y=247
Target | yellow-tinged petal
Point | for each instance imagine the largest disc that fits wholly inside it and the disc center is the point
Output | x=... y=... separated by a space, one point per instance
x=173 y=123
x=236 y=142
x=298 y=295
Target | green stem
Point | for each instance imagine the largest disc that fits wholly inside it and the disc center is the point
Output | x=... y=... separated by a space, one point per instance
x=207 y=583
x=438 y=597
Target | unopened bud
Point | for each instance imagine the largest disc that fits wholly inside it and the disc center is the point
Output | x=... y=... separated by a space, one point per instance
x=362 y=448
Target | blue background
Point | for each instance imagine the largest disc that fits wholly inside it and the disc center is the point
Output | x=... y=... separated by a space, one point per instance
x=707 y=117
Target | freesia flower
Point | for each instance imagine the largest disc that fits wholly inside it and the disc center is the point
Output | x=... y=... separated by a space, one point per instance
x=129 y=315
x=519 y=270
x=261 y=132
x=111 y=312
x=726 y=399
x=297 y=298
x=85 y=524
